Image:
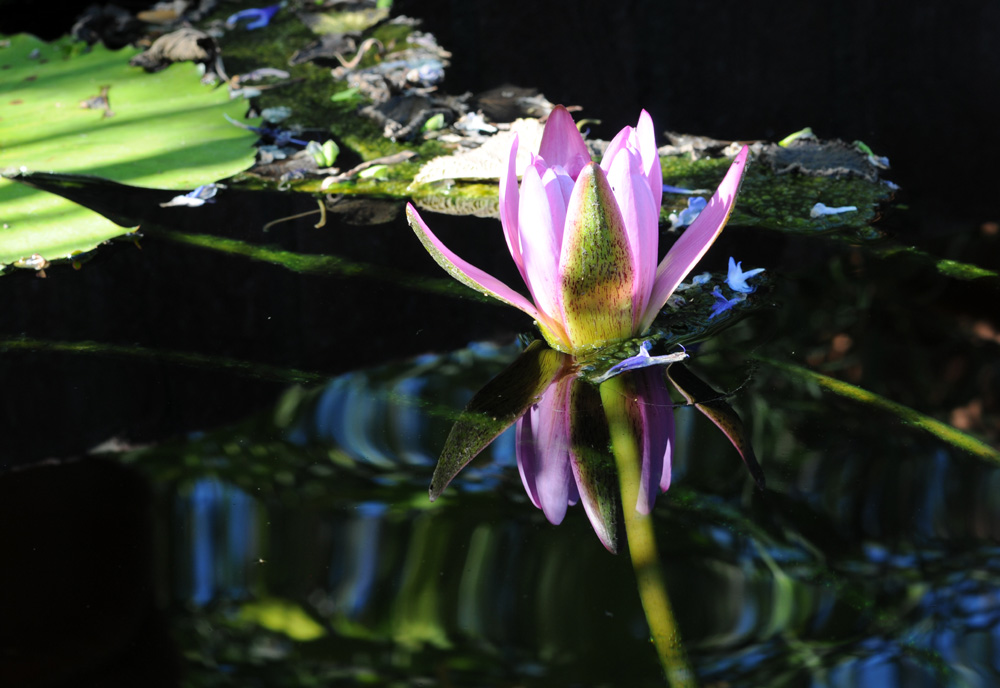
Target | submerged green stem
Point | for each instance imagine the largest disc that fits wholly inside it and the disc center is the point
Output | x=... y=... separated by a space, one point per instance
x=641 y=539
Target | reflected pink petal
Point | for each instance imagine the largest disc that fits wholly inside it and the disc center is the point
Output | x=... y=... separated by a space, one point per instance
x=543 y=445
x=657 y=422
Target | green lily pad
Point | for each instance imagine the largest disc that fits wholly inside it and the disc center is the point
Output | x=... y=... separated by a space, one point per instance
x=163 y=130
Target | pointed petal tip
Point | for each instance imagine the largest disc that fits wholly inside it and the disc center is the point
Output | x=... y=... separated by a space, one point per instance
x=591 y=169
x=436 y=488
x=562 y=143
x=645 y=118
x=412 y=216
x=465 y=272
x=609 y=541
x=741 y=158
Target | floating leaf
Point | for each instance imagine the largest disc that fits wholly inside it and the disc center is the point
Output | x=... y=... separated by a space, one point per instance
x=94 y=113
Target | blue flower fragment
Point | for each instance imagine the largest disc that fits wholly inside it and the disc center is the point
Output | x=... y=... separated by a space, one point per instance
x=667 y=188
x=696 y=281
x=279 y=136
x=690 y=214
x=259 y=16
x=722 y=304
x=194 y=199
x=640 y=360
x=821 y=209
x=737 y=279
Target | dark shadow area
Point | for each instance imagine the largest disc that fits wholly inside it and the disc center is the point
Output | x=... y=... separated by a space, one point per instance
x=161 y=295
x=79 y=607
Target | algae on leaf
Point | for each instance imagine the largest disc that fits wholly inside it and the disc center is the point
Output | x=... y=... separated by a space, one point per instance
x=93 y=113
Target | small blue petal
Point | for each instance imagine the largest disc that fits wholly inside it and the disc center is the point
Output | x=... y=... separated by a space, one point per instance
x=204 y=192
x=737 y=279
x=695 y=205
x=260 y=16
x=821 y=209
x=194 y=199
x=641 y=360
x=722 y=304
x=681 y=190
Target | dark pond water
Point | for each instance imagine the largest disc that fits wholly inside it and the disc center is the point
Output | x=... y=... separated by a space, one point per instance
x=242 y=453
x=216 y=452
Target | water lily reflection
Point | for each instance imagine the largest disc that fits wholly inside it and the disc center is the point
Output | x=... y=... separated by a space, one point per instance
x=563 y=442
x=562 y=448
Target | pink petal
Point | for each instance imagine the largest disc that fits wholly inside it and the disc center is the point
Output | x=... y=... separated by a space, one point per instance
x=696 y=239
x=618 y=143
x=642 y=140
x=657 y=422
x=464 y=272
x=562 y=143
x=541 y=219
x=543 y=443
x=508 y=208
x=628 y=181
x=565 y=183
x=527 y=456
x=645 y=136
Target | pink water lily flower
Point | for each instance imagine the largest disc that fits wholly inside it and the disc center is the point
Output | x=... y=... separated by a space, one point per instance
x=585 y=236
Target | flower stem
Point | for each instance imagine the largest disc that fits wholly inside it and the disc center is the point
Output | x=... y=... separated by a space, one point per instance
x=626 y=432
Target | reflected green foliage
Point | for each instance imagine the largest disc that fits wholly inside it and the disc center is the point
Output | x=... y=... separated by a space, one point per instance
x=947 y=267
x=768 y=589
x=285 y=451
x=907 y=415
x=318 y=264
x=715 y=408
x=163 y=130
x=186 y=358
x=281 y=616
